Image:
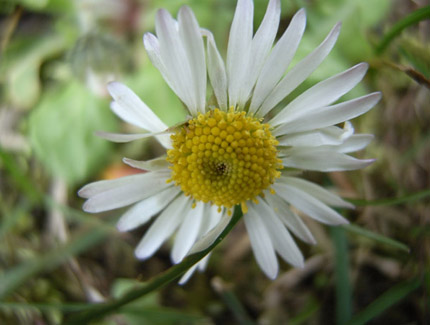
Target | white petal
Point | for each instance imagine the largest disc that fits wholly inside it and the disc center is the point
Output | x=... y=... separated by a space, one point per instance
x=210 y=220
x=214 y=217
x=152 y=165
x=217 y=74
x=189 y=31
x=309 y=205
x=187 y=275
x=355 y=143
x=324 y=159
x=130 y=108
x=125 y=137
x=144 y=210
x=300 y=72
x=239 y=49
x=322 y=94
x=261 y=244
x=331 y=135
x=261 y=45
x=152 y=47
x=279 y=235
x=211 y=236
x=331 y=115
x=211 y=217
x=174 y=58
x=163 y=227
x=316 y=191
x=125 y=194
x=289 y=218
x=187 y=233
x=278 y=60
x=201 y=265
x=98 y=187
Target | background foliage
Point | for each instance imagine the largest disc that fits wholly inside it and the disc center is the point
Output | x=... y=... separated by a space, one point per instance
x=55 y=59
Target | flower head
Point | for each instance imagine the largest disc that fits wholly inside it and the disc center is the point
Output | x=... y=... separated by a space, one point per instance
x=238 y=152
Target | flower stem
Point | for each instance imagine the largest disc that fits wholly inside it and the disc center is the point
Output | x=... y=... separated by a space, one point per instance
x=103 y=309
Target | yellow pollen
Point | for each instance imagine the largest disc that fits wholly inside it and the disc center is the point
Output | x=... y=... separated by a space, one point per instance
x=225 y=158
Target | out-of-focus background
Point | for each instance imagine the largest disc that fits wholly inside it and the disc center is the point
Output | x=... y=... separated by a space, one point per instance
x=56 y=57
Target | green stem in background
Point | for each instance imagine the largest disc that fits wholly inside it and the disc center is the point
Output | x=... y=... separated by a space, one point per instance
x=103 y=309
x=376 y=237
x=343 y=286
x=392 y=201
x=411 y=19
x=385 y=301
x=232 y=302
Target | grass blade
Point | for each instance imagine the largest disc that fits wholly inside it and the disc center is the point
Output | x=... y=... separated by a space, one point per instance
x=343 y=287
x=232 y=302
x=392 y=201
x=376 y=237
x=411 y=19
x=385 y=301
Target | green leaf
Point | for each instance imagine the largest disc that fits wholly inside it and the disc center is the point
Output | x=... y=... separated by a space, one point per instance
x=33 y=4
x=376 y=237
x=22 y=64
x=356 y=17
x=385 y=301
x=62 y=130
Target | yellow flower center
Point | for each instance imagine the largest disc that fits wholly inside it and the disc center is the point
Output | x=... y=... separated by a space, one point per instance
x=225 y=158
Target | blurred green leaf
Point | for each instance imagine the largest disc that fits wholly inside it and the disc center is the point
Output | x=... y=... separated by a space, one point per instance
x=22 y=64
x=376 y=237
x=356 y=17
x=62 y=132
x=45 y=5
x=385 y=301
x=97 y=52
x=33 y=4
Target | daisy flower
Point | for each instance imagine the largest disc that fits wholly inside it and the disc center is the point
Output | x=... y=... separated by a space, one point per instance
x=240 y=151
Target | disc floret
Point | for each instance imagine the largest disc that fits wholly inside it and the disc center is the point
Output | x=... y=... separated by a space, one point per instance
x=225 y=158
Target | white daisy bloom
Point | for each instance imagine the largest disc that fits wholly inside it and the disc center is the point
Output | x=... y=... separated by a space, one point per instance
x=236 y=153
